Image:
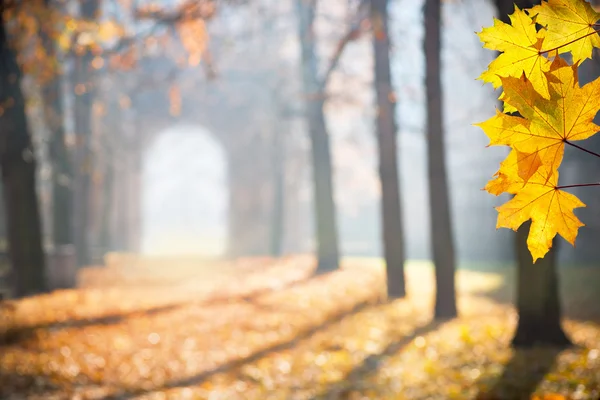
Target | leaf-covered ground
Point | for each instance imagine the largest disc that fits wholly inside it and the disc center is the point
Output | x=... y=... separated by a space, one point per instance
x=265 y=329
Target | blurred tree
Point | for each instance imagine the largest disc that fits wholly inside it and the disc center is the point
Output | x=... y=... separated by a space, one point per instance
x=279 y=170
x=393 y=241
x=84 y=89
x=325 y=212
x=55 y=119
x=18 y=164
x=538 y=301
x=314 y=98
x=442 y=237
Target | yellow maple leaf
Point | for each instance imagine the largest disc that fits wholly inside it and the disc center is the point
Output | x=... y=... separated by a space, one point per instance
x=570 y=26
x=539 y=135
x=549 y=208
x=514 y=172
x=520 y=44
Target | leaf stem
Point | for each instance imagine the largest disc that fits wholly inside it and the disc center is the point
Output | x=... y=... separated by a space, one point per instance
x=571 y=42
x=578 y=185
x=582 y=149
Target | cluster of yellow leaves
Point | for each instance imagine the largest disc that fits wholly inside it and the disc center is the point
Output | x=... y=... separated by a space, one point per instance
x=267 y=329
x=551 y=110
x=39 y=33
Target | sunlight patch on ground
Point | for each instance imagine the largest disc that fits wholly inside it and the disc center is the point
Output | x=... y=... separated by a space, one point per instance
x=264 y=328
x=183 y=244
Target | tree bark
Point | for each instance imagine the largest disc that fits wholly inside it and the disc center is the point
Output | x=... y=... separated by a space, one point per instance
x=17 y=160
x=59 y=155
x=393 y=242
x=441 y=227
x=84 y=90
x=325 y=213
x=538 y=303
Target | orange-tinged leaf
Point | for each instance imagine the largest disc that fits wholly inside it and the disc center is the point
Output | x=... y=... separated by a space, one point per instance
x=527 y=164
x=546 y=124
x=569 y=26
x=529 y=151
x=514 y=172
x=549 y=208
x=520 y=44
x=501 y=184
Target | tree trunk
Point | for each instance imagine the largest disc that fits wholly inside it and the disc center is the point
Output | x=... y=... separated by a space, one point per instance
x=325 y=213
x=115 y=193
x=59 y=155
x=134 y=186
x=84 y=90
x=393 y=243
x=441 y=227
x=277 y=218
x=119 y=206
x=107 y=196
x=17 y=160
x=538 y=301
x=249 y=200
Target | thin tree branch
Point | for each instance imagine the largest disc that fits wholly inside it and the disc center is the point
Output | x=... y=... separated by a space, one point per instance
x=571 y=42
x=352 y=34
x=578 y=185
x=582 y=149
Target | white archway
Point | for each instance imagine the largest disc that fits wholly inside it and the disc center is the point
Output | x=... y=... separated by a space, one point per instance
x=184 y=195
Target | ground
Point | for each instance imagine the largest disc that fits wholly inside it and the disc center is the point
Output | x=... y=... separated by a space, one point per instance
x=265 y=329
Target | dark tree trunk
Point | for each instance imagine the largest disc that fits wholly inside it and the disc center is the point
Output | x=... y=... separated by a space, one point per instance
x=84 y=90
x=538 y=303
x=441 y=227
x=17 y=160
x=325 y=213
x=507 y=7
x=59 y=155
x=393 y=243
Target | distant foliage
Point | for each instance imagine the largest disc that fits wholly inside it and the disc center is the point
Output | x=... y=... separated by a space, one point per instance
x=545 y=109
x=32 y=25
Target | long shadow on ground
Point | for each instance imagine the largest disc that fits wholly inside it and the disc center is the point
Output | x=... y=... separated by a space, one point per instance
x=371 y=364
x=201 y=377
x=578 y=291
x=521 y=376
x=13 y=384
x=16 y=335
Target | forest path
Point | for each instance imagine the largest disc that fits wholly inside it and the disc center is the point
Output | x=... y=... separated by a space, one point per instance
x=267 y=329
